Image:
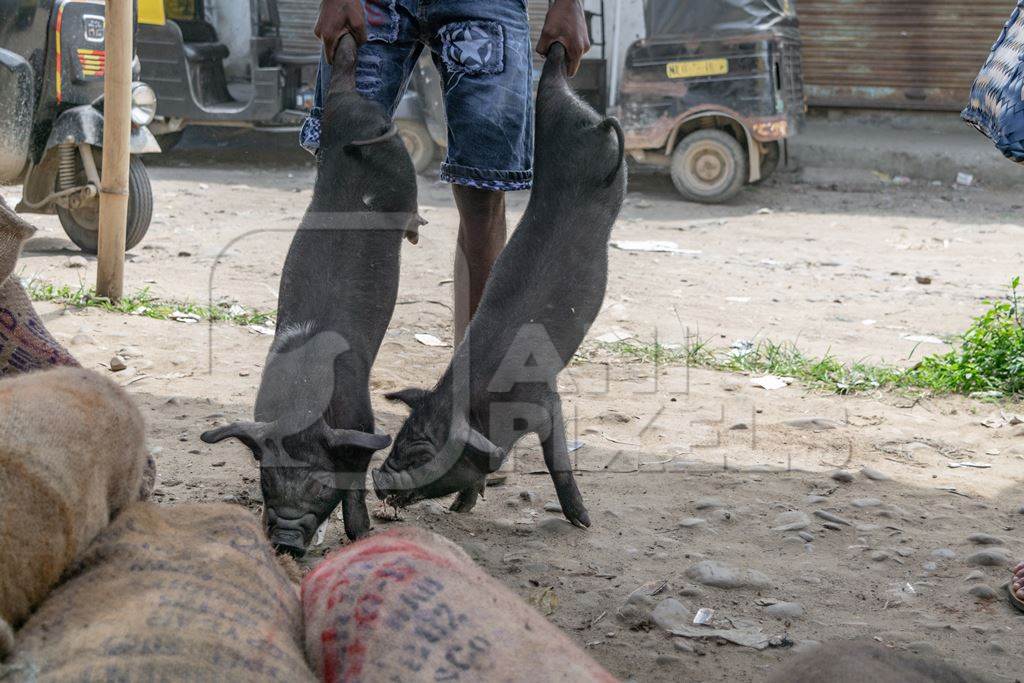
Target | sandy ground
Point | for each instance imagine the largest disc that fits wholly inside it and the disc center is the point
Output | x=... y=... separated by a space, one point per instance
x=677 y=466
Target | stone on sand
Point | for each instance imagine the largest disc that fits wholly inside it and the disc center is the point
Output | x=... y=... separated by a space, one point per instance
x=794 y=520
x=830 y=517
x=670 y=613
x=720 y=575
x=873 y=474
x=991 y=557
x=982 y=592
x=785 y=610
x=984 y=539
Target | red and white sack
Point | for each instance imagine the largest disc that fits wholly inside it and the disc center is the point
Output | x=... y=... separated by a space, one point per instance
x=408 y=605
x=183 y=593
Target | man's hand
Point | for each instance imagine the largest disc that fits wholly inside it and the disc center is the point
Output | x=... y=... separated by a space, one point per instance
x=565 y=24
x=338 y=17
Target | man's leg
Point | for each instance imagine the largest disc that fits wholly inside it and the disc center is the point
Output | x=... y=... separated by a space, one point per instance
x=482 y=51
x=482 y=232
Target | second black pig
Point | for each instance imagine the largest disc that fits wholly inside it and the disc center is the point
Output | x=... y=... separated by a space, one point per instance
x=313 y=432
x=543 y=294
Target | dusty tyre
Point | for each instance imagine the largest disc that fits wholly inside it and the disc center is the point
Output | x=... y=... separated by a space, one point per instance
x=82 y=224
x=709 y=166
x=770 y=161
x=419 y=143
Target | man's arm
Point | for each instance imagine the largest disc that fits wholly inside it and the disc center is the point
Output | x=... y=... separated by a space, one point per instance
x=565 y=24
x=338 y=17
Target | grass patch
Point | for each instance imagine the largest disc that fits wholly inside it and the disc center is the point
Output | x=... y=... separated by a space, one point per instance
x=763 y=358
x=142 y=303
x=988 y=357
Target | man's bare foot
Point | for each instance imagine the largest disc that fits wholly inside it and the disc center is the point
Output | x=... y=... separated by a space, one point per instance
x=1017 y=585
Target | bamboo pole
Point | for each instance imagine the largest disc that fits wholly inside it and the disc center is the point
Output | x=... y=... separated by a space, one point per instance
x=117 y=102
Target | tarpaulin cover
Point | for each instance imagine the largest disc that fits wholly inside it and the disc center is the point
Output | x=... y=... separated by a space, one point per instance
x=682 y=17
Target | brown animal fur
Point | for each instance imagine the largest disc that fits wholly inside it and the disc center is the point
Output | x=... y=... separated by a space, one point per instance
x=860 y=660
x=72 y=455
x=184 y=593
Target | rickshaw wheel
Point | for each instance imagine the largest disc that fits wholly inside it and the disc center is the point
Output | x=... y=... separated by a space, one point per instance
x=82 y=224
x=419 y=143
x=709 y=166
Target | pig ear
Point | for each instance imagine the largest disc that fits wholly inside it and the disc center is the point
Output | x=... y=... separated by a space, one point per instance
x=488 y=456
x=336 y=438
x=410 y=397
x=249 y=433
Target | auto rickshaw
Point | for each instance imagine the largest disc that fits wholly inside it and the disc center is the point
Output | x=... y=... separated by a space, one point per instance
x=712 y=92
x=244 y=63
x=51 y=130
x=707 y=90
x=253 y=63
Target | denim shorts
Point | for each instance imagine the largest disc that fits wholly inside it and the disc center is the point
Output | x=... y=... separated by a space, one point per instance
x=482 y=50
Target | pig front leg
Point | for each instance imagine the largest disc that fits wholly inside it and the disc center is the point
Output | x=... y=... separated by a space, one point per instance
x=556 y=457
x=466 y=500
x=354 y=513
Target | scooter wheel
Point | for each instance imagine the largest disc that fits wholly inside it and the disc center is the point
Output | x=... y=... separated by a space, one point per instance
x=82 y=224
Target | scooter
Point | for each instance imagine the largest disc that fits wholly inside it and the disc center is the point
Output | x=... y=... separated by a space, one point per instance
x=51 y=129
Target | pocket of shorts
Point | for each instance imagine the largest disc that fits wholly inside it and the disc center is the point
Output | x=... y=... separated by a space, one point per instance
x=381 y=20
x=473 y=47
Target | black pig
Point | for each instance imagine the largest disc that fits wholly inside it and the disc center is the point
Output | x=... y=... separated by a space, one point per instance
x=546 y=288
x=313 y=433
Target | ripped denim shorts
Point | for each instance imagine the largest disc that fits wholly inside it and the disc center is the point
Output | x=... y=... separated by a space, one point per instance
x=482 y=50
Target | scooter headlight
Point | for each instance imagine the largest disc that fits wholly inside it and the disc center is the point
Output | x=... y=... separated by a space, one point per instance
x=143 y=104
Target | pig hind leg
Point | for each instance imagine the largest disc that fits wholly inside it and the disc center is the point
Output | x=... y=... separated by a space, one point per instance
x=466 y=500
x=556 y=457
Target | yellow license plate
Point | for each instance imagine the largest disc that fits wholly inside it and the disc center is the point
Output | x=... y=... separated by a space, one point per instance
x=703 y=67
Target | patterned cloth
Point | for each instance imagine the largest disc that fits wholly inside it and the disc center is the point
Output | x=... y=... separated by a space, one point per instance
x=997 y=101
x=482 y=50
x=25 y=343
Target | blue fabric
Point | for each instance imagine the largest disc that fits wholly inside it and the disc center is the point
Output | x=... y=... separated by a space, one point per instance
x=997 y=97
x=482 y=50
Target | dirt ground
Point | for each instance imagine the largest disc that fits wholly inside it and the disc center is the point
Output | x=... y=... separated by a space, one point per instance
x=677 y=466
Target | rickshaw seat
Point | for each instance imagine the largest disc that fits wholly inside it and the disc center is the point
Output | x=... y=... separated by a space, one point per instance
x=200 y=41
x=205 y=52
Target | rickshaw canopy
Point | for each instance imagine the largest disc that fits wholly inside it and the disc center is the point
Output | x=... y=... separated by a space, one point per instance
x=688 y=17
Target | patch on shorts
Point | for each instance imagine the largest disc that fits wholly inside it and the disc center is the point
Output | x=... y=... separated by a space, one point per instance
x=473 y=47
x=309 y=133
x=382 y=21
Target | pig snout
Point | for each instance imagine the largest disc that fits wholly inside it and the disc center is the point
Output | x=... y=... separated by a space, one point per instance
x=391 y=486
x=290 y=533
